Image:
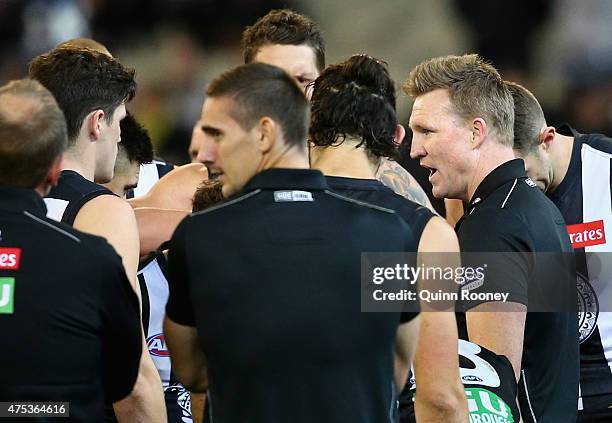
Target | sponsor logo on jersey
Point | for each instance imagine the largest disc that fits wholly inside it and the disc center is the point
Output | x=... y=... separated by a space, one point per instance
x=486 y=407
x=7 y=295
x=157 y=346
x=471 y=378
x=10 y=258
x=588 y=308
x=530 y=182
x=587 y=234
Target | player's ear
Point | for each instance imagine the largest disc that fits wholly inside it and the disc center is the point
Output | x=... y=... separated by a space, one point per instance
x=400 y=133
x=93 y=123
x=547 y=135
x=480 y=131
x=267 y=133
x=52 y=177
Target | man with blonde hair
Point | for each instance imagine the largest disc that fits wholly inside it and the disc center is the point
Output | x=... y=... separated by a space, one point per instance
x=462 y=120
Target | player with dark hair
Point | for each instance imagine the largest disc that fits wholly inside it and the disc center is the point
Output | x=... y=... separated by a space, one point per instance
x=574 y=170
x=92 y=88
x=353 y=125
x=134 y=150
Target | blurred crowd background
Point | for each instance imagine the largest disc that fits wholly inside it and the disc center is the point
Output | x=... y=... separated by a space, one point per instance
x=559 y=49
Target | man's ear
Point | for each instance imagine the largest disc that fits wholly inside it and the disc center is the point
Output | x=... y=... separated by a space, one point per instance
x=480 y=131
x=267 y=131
x=547 y=135
x=51 y=178
x=93 y=121
x=400 y=133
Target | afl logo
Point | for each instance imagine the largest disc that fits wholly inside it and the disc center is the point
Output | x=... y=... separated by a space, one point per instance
x=588 y=309
x=157 y=346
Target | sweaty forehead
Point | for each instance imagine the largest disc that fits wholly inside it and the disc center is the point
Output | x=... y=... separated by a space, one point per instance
x=296 y=60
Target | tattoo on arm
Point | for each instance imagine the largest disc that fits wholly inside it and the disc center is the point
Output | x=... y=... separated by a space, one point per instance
x=402 y=182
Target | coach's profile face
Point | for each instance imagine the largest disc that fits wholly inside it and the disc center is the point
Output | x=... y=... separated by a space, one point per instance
x=441 y=140
x=237 y=155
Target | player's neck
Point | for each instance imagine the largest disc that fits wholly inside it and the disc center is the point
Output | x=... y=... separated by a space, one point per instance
x=287 y=157
x=81 y=162
x=344 y=160
x=561 y=154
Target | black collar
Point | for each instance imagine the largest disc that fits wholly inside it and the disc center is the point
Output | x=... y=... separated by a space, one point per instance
x=567 y=130
x=22 y=199
x=505 y=172
x=308 y=179
x=575 y=164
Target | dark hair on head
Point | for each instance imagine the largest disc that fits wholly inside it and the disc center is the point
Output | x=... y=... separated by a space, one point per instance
x=82 y=81
x=528 y=119
x=207 y=195
x=85 y=42
x=355 y=98
x=259 y=90
x=136 y=140
x=32 y=133
x=284 y=27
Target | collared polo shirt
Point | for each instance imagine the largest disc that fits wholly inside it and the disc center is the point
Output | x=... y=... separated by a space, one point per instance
x=271 y=280
x=68 y=314
x=507 y=213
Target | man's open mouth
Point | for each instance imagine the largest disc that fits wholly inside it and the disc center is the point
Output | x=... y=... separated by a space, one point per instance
x=432 y=170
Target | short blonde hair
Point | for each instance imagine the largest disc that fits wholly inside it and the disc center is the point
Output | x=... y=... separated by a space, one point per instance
x=475 y=89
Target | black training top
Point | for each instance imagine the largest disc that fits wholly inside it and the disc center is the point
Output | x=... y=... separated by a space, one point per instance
x=509 y=214
x=271 y=279
x=68 y=313
x=71 y=193
x=374 y=192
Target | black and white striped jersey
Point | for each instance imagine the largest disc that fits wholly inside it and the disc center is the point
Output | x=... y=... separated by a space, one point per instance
x=149 y=174
x=71 y=193
x=585 y=201
x=154 y=292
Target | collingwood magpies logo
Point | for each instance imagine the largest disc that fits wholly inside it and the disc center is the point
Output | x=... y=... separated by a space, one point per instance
x=588 y=308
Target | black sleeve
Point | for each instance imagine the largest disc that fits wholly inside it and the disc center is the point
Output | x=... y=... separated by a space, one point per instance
x=179 y=307
x=122 y=331
x=497 y=242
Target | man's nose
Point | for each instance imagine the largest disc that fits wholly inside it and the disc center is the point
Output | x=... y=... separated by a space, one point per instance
x=417 y=149
x=208 y=152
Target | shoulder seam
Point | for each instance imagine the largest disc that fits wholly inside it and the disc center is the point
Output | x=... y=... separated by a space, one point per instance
x=69 y=235
x=229 y=203
x=360 y=203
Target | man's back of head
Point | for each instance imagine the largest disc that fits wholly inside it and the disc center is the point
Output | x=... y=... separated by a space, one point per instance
x=134 y=150
x=528 y=119
x=83 y=80
x=32 y=133
x=355 y=99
